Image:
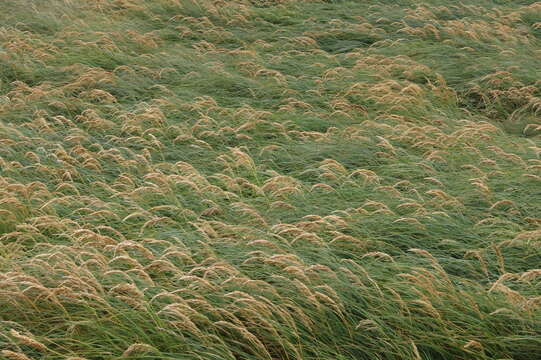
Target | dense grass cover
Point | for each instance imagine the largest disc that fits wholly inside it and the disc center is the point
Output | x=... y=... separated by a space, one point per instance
x=225 y=180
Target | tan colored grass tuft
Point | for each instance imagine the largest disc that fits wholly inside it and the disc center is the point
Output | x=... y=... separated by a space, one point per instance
x=379 y=255
x=11 y=355
x=28 y=341
x=137 y=348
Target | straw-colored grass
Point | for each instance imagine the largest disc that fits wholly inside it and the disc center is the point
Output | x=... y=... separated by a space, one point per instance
x=243 y=179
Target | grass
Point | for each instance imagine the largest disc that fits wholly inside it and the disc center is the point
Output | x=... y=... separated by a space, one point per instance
x=270 y=179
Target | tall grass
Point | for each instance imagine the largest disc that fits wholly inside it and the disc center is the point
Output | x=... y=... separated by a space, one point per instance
x=270 y=179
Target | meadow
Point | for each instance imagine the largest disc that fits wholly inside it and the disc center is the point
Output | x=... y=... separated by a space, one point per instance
x=270 y=180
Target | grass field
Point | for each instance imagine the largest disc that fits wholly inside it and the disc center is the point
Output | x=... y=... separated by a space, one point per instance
x=276 y=180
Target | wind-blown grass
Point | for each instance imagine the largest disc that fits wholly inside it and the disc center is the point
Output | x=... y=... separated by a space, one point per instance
x=270 y=179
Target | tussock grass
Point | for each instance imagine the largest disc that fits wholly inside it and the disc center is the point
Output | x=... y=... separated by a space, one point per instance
x=270 y=179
